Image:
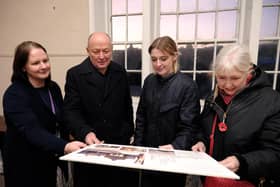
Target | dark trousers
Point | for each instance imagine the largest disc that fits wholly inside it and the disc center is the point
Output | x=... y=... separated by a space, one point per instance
x=91 y=175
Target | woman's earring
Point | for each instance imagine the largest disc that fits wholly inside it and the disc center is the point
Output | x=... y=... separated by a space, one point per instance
x=249 y=77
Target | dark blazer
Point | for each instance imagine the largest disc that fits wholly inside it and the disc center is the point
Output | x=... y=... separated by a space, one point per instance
x=31 y=144
x=167 y=112
x=89 y=106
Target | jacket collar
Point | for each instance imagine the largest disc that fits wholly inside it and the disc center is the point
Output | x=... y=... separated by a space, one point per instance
x=93 y=76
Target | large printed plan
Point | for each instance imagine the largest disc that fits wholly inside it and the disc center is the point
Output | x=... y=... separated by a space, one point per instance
x=175 y=161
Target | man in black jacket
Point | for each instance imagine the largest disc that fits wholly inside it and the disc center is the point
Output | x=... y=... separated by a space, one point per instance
x=98 y=108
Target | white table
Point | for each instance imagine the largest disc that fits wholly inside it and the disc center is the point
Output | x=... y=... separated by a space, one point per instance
x=145 y=158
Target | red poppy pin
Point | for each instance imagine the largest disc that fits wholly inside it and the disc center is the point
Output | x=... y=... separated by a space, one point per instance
x=222 y=127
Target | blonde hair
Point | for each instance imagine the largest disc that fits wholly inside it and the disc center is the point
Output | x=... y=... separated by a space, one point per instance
x=168 y=45
x=233 y=57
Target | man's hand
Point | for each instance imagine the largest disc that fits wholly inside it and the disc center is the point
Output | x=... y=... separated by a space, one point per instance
x=92 y=139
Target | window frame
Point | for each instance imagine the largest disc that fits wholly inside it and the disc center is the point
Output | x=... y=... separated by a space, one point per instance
x=248 y=28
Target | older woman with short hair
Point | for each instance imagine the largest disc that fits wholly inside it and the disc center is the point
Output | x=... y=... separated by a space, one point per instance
x=241 y=121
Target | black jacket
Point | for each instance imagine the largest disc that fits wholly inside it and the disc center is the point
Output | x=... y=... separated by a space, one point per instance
x=97 y=103
x=167 y=112
x=31 y=144
x=253 y=134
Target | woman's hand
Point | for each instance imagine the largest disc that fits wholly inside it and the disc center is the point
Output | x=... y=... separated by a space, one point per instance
x=167 y=147
x=199 y=147
x=231 y=163
x=73 y=146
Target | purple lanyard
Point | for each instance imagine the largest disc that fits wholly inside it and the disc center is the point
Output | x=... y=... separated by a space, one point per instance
x=52 y=103
x=53 y=111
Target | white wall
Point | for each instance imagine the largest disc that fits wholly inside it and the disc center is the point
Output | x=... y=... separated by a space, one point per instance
x=62 y=26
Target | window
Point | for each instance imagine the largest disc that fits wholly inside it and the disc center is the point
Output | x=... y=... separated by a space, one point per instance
x=126 y=30
x=268 y=54
x=201 y=28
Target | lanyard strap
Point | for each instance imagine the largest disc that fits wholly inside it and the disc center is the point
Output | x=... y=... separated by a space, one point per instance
x=212 y=135
x=52 y=102
x=53 y=111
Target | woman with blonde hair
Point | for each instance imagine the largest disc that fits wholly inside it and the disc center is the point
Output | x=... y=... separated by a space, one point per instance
x=168 y=109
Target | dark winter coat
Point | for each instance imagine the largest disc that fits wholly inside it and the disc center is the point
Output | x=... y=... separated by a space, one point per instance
x=31 y=145
x=253 y=134
x=98 y=103
x=167 y=112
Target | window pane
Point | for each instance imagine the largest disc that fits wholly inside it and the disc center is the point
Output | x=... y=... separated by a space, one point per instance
x=224 y=4
x=134 y=28
x=270 y=77
x=205 y=54
x=168 y=6
x=204 y=82
x=134 y=58
x=190 y=75
x=269 y=21
x=226 y=24
x=221 y=45
x=267 y=55
x=187 y=6
x=134 y=6
x=206 y=4
x=118 y=28
x=186 y=27
x=135 y=83
x=206 y=26
x=278 y=83
x=118 y=7
x=279 y=61
x=270 y=1
x=118 y=54
x=168 y=26
x=186 y=57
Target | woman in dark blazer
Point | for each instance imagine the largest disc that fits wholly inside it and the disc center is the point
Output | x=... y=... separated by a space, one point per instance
x=32 y=111
x=168 y=110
